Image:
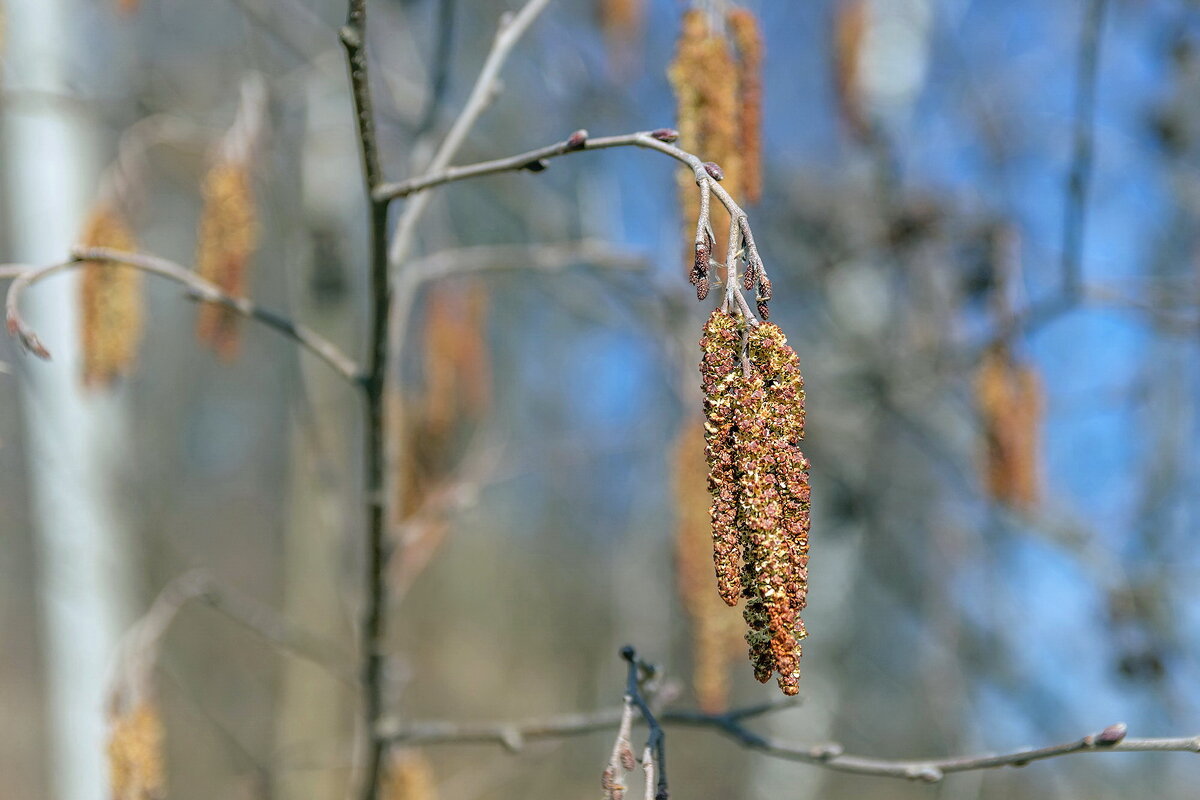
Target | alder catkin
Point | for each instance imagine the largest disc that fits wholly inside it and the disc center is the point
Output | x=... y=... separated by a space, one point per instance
x=704 y=77
x=849 y=32
x=748 y=42
x=408 y=776
x=715 y=634
x=759 y=480
x=110 y=299
x=227 y=239
x=1008 y=396
x=135 y=754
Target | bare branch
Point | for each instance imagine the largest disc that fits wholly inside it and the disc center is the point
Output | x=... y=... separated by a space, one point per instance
x=659 y=140
x=201 y=289
x=1083 y=148
x=140 y=646
x=512 y=28
x=354 y=38
x=829 y=755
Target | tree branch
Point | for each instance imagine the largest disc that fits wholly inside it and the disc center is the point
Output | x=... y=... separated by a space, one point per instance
x=373 y=624
x=512 y=28
x=1083 y=148
x=513 y=735
x=25 y=277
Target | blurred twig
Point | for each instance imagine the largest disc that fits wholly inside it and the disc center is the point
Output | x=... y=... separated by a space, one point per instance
x=830 y=755
x=1083 y=149
x=25 y=277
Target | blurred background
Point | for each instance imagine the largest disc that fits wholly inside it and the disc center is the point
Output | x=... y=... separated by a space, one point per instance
x=980 y=221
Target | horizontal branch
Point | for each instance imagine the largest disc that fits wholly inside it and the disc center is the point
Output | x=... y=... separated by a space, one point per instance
x=513 y=735
x=200 y=289
x=532 y=160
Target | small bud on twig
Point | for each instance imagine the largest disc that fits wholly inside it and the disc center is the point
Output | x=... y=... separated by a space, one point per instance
x=667 y=135
x=714 y=170
x=577 y=140
x=537 y=165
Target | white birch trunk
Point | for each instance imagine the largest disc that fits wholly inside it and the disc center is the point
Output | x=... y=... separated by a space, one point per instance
x=72 y=440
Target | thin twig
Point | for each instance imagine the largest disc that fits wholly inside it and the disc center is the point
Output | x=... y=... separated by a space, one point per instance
x=25 y=277
x=1080 y=174
x=650 y=140
x=509 y=32
x=620 y=760
x=656 y=741
x=442 y=63
x=828 y=755
x=140 y=647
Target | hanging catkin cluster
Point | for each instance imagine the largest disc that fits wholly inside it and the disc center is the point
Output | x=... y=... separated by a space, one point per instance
x=110 y=301
x=754 y=409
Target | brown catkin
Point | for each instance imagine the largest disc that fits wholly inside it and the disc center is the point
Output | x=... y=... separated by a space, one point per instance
x=720 y=374
x=1008 y=396
x=408 y=776
x=110 y=298
x=705 y=79
x=716 y=637
x=759 y=480
x=135 y=754
x=227 y=238
x=849 y=31
x=748 y=41
x=456 y=358
x=621 y=20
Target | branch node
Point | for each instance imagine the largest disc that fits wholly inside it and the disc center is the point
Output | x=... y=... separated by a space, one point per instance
x=825 y=752
x=577 y=140
x=350 y=36
x=926 y=773
x=512 y=739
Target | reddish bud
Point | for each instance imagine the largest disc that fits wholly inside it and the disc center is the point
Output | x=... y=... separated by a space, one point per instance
x=667 y=135
x=714 y=170
x=577 y=140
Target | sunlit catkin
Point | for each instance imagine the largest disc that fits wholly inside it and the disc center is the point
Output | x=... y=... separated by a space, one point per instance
x=135 y=754
x=110 y=301
x=705 y=79
x=1009 y=400
x=758 y=476
x=227 y=238
x=716 y=634
x=748 y=43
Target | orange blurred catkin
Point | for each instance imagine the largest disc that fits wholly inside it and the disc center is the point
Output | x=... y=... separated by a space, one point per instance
x=135 y=754
x=128 y=6
x=758 y=477
x=747 y=39
x=1009 y=398
x=716 y=634
x=849 y=30
x=621 y=20
x=227 y=238
x=705 y=79
x=110 y=301
x=409 y=776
